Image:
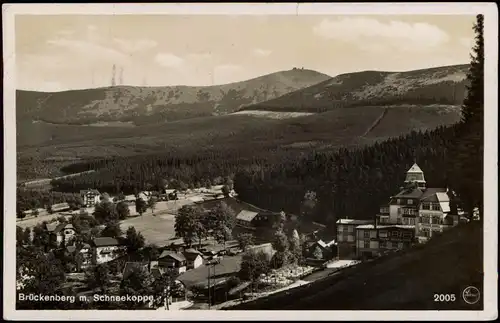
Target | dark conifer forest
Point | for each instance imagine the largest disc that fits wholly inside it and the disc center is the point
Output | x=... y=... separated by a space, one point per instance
x=341 y=178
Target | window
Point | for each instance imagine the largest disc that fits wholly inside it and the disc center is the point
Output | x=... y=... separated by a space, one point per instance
x=406 y=235
x=382 y=234
x=410 y=201
x=382 y=244
x=436 y=207
x=399 y=201
x=361 y=244
x=366 y=234
x=436 y=220
x=345 y=228
x=395 y=234
x=426 y=206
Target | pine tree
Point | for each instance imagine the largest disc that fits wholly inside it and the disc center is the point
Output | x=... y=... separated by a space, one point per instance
x=467 y=173
x=473 y=105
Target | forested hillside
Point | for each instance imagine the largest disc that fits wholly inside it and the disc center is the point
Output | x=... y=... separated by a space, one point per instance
x=278 y=180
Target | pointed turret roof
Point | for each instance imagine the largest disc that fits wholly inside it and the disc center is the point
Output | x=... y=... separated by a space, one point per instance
x=415 y=175
x=415 y=169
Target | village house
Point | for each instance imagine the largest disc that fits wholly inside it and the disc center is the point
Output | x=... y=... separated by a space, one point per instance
x=245 y=219
x=194 y=258
x=61 y=232
x=373 y=240
x=83 y=255
x=346 y=237
x=319 y=251
x=173 y=261
x=90 y=197
x=106 y=249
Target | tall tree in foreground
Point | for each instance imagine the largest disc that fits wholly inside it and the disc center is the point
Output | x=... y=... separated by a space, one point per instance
x=186 y=223
x=140 y=206
x=123 y=210
x=467 y=173
x=222 y=222
x=134 y=240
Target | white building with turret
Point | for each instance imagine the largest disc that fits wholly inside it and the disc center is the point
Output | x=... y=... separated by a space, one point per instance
x=427 y=209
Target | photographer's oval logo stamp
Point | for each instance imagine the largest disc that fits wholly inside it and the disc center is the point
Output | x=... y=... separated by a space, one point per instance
x=471 y=295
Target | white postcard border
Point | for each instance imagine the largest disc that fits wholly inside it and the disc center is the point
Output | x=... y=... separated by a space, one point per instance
x=490 y=12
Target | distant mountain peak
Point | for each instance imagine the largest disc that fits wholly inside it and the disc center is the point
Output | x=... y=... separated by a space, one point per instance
x=161 y=103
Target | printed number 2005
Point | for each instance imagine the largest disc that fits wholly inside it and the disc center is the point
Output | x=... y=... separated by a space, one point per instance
x=444 y=297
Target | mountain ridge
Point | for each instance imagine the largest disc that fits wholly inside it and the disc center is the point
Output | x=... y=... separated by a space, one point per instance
x=437 y=85
x=156 y=104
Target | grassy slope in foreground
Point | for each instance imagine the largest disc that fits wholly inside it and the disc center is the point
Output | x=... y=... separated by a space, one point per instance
x=402 y=281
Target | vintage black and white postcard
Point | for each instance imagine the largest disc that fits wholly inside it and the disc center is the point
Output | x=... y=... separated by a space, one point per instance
x=250 y=161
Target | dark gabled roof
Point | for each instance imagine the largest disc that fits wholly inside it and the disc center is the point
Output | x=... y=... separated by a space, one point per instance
x=246 y=215
x=106 y=241
x=191 y=255
x=58 y=227
x=410 y=193
x=191 y=250
x=174 y=255
x=430 y=194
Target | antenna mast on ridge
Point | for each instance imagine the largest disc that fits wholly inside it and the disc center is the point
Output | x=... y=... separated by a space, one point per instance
x=113 y=80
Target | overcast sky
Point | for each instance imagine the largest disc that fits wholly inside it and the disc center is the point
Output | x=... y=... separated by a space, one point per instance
x=63 y=52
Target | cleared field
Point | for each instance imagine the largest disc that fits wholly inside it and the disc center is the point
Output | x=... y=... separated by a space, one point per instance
x=272 y=114
x=156 y=229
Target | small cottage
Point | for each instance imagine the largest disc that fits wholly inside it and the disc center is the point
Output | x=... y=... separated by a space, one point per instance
x=61 y=231
x=194 y=258
x=173 y=261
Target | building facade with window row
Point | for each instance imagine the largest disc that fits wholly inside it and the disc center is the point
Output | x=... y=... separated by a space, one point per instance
x=374 y=240
x=414 y=214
